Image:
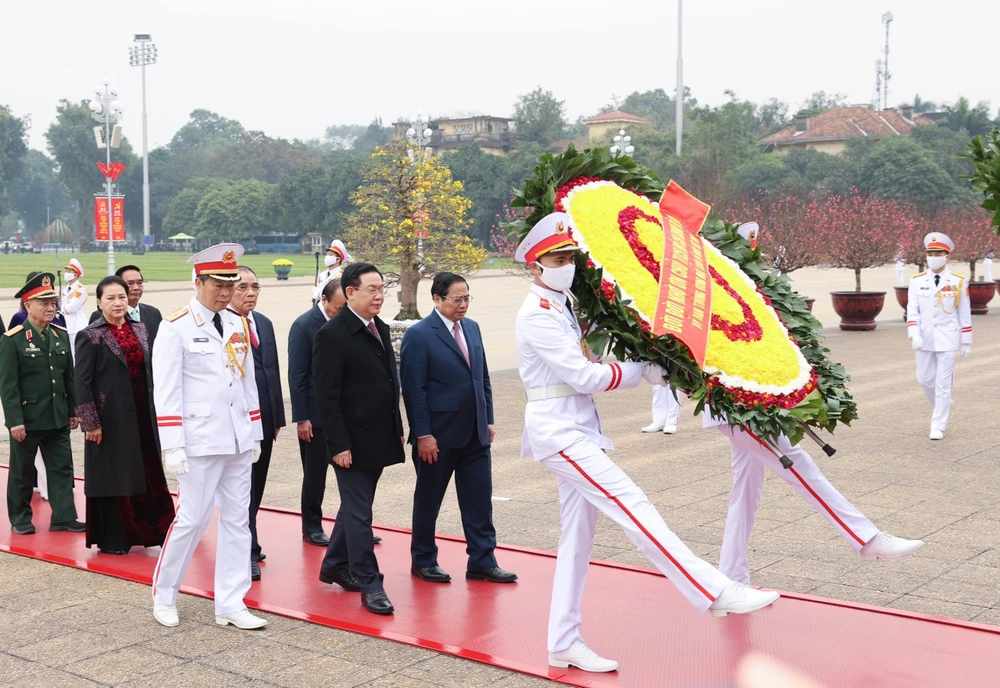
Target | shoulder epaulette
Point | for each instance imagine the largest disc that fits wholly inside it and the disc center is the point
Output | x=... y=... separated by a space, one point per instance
x=177 y=314
x=920 y=274
x=58 y=326
x=544 y=303
x=14 y=330
x=959 y=275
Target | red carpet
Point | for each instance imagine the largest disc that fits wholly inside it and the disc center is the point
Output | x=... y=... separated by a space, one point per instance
x=631 y=614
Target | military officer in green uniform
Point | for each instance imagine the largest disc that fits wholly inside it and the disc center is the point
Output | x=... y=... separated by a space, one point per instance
x=39 y=405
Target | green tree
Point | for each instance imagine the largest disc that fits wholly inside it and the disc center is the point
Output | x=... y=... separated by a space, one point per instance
x=182 y=217
x=258 y=156
x=411 y=218
x=819 y=102
x=37 y=194
x=71 y=142
x=486 y=185
x=13 y=148
x=373 y=136
x=540 y=117
x=206 y=129
x=233 y=211
x=899 y=168
x=963 y=117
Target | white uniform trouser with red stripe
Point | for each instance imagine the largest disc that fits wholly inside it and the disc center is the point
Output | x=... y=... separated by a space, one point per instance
x=936 y=374
x=590 y=482
x=211 y=481
x=750 y=461
x=666 y=409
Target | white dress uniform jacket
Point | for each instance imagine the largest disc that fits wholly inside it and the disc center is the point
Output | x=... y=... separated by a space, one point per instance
x=940 y=314
x=323 y=277
x=546 y=329
x=74 y=297
x=203 y=403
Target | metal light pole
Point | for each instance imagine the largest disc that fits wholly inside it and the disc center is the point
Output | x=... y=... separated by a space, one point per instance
x=680 y=77
x=419 y=134
x=140 y=55
x=106 y=109
x=622 y=144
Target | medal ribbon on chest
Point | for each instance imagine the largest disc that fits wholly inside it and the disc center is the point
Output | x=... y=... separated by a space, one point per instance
x=239 y=340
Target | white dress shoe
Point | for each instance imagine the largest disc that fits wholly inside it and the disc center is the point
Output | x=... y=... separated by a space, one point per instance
x=885 y=546
x=937 y=434
x=669 y=429
x=242 y=619
x=165 y=615
x=581 y=657
x=653 y=427
x=737 y=598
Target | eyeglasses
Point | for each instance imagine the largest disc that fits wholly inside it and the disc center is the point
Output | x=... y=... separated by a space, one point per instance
x=457 y=299
x=371 y=291
x=255 y=288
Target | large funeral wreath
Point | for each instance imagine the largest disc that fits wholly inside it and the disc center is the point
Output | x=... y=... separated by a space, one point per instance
x=752 y=325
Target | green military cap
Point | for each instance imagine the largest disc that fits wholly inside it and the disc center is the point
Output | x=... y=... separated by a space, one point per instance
x=38 y=287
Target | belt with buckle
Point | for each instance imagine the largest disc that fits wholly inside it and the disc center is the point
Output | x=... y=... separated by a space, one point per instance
x=550 y=392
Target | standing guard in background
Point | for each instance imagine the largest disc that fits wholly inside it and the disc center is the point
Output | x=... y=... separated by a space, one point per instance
x=74 y=298
x=334 y=261
x=939 y=324
x=210 y=432
x=39 y=404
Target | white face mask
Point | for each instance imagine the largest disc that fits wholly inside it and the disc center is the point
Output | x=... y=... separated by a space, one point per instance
x=330 y=261
x=558 y=279
x=936 y=262
x=69 y=276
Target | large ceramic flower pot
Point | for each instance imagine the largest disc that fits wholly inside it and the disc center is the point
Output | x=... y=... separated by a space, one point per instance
x=810 y=302
x=282 y=271
x=980 y=294
x=902 y=298
x=858 y=309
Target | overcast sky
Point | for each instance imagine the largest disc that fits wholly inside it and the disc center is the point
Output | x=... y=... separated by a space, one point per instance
x=293 y=67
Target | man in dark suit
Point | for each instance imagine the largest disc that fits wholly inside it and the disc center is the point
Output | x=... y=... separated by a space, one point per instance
x=272 y=407
x=138 y=312
x=357 y=393
x=449 y=404
x=305 y=414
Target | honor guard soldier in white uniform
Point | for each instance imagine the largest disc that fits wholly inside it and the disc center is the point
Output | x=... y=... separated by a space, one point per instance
x=74 y=297
x=563 y=432
x=334 y=261
x=939 y=324
x=210 y=430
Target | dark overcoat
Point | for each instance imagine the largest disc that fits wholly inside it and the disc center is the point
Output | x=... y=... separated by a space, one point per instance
x=113 y=468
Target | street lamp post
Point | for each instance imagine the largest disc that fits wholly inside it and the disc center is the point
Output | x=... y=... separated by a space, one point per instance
x=140 y=55
x=106 y=109
x=622 y=144
x=419 y=134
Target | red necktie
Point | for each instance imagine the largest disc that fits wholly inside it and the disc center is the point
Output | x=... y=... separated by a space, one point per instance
x=374 y=331
x=253 y=338
x=461 y=343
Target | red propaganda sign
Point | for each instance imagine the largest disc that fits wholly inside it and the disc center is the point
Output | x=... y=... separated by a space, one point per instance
x=685 y=304
x=116 y=222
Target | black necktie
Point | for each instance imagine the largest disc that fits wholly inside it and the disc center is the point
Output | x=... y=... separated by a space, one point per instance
x=937 y=280
x=217 y=321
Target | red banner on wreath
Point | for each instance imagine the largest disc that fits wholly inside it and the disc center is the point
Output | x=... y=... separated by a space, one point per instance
x=116 y=222
x=684 y=307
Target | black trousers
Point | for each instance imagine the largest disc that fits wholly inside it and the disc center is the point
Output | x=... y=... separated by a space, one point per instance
x=473 y=472
x=314 y=466
x=258 y=477
x=351 y=541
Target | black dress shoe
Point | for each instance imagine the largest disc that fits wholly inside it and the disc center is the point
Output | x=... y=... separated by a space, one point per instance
x=24 y=528
x=343 y=578
x=69 y=526
x=117 y=552
x=493 y=575
x=254 y=571
x=376 y=602
x=261 y=557
x=376 y=539
x=318 y=539
x=431 y=574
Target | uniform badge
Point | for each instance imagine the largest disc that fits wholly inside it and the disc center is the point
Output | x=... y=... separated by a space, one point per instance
x=544 y=303
x=200 y=340
x=46 y=282
x=229 y=257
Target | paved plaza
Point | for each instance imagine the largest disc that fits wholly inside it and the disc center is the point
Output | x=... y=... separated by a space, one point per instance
x=65 y=627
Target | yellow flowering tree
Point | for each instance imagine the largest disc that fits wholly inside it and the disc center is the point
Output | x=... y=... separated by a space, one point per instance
x=411 y=219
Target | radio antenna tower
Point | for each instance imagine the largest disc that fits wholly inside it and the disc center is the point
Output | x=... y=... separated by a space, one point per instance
x=886 y=20
x=877 y=100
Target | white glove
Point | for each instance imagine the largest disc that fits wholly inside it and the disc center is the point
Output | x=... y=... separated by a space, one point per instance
x=653 y=374
x=917 y=342
x=966 y=350
x=256 y=451
x=175 y=462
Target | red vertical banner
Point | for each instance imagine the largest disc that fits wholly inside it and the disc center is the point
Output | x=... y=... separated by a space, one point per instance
x=103 y=224
x=118 y=218
x=684 y=307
